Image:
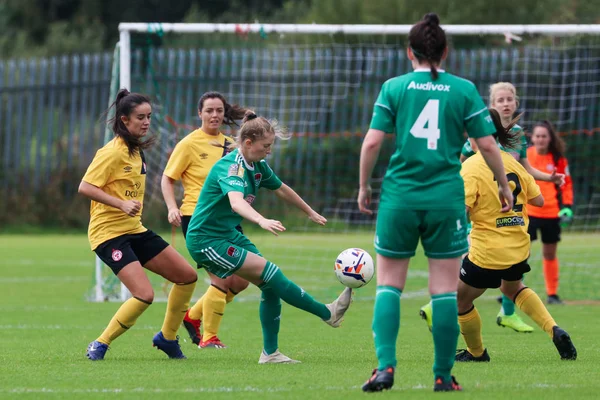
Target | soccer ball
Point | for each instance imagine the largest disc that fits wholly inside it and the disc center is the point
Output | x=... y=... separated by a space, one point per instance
x=354 y=268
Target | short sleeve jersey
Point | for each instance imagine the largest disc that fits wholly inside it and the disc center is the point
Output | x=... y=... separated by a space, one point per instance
x=498 y=240
x=191 y=161
x=429 y=118
x=213 y=216
x=120 y=176
x=552 y=194
x=518 y=154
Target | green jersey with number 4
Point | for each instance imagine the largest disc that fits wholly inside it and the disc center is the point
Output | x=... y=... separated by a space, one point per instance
x=429 y=118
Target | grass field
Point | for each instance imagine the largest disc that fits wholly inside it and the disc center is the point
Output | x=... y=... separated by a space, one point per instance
x=46 y=325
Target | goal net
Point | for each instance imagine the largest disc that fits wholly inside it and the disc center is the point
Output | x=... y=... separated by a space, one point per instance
x=321 y=82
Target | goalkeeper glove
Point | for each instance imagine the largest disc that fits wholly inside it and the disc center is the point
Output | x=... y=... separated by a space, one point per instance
x=566 y=216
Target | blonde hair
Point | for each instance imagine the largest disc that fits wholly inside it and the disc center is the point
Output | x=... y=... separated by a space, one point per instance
x=502 y=86
x=255 y=128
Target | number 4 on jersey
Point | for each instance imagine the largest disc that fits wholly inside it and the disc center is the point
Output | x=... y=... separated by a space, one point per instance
x=429 y=116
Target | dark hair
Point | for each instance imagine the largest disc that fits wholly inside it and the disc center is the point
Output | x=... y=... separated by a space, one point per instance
x=427 y=40
x=124 y=105
x=508 y=139
x=557 y=146
x=232 y=112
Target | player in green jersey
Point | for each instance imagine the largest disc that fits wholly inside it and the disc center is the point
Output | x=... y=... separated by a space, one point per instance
x=213 y=241
x=422 y=194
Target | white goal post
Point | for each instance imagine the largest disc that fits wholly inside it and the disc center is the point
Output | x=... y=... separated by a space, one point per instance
x=123 y=61
x=125 y=29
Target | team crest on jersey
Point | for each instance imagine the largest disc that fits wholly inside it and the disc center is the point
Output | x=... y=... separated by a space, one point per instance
x=236 y=170
x=257 y=178
x=117 y=255
x=233 y=252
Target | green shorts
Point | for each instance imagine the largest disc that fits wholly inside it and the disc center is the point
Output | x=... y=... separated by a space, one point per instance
x=221 y=257
x=443 y=233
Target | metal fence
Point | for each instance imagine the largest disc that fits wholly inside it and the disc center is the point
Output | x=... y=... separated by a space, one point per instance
x=50 y=108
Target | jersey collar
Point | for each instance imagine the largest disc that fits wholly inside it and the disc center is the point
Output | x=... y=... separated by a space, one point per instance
x=427 y=70
x=249 y=167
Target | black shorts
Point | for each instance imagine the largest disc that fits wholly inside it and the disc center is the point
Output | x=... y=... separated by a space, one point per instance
x=125 y=249
x=550 y=228
x=185 y=222
x=483 y=278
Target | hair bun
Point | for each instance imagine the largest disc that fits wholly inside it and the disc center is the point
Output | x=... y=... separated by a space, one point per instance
x=431 y=18
x=121 y=94
x=249 y=116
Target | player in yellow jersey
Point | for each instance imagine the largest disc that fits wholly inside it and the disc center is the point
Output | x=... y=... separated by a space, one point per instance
x=115 y=181
x=191 y=161
x=500 y=249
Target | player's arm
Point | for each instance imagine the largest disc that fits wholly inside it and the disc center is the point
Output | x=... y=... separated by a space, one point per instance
x=129 y=207
x=178 y=163
x=556 y=178
x=245 y=210
x=288 y=195
x=490 y=152
x=531 y=188
x=566 y=213
x=167 y=186
x=369 y=153
x=537 y=201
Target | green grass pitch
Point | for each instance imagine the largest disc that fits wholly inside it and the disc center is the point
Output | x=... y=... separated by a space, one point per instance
x=46 y=324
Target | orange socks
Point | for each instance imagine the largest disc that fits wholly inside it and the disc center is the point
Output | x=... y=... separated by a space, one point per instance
x=551 y=276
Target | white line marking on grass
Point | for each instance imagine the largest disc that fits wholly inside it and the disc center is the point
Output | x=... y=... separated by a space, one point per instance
x=45 y=279
x=43 y=308
x=49 y=262
x=253 y=389
x=83 y=327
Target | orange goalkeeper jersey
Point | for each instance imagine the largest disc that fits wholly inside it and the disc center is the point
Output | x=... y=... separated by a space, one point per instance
x=546 y=163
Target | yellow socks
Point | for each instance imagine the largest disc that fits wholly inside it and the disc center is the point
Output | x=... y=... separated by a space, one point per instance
x=124 y=319
x=177 y=305
x=213 y=309
x=470 y=328
x=230 y=296
x=529 y=302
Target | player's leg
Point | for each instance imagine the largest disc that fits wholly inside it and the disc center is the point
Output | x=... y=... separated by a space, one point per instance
x=550 y=238
x=530 y=303
x=192 y=323
x=444 y=239
x=396 y=238
x=474 y=280
x=159 y=257
x=211 y=307
x=119 y=256
x=223 y=258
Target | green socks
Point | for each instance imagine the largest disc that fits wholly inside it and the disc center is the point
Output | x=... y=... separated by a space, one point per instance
x=445 y=333
x=270 y=317
x=508 y=306
x=386 y=324
x=291 y=293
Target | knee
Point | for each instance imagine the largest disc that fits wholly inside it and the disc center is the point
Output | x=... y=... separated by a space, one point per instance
x=189 y=276
x=549 y=255
x=464 y=305
x=146 y=295
x=237 y=284
x=511 y=290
